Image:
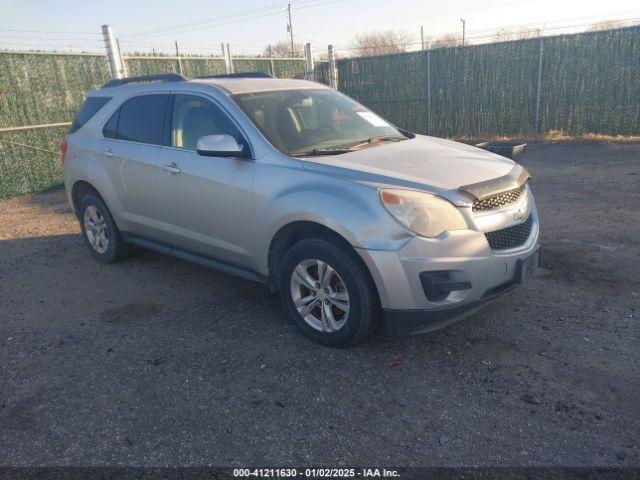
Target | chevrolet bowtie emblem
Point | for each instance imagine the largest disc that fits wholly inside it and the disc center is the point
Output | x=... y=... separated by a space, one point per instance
x=520 y=213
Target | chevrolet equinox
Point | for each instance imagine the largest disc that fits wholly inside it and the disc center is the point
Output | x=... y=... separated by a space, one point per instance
x=290 y=183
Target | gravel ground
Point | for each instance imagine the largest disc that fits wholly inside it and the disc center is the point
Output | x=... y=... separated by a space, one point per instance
x=156 y=361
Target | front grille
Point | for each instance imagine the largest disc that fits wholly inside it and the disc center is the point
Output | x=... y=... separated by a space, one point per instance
x=510 y=237
x=495 y=201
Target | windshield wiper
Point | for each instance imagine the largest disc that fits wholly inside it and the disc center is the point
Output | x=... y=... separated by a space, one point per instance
x=379 y=138
x=322 y=151
x=350 y=147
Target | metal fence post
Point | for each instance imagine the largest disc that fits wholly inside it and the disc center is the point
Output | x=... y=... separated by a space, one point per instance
x=271 y=62
x=124 y=65
x=224 y=57
x=309 y=61
x=429 y=89
x=179 y=61
x=115 y=62
x=539 y=89
x=230 y=60
x=333 y=70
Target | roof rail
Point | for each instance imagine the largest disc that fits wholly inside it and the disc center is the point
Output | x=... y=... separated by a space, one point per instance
x=241 y=75
x=163 y=77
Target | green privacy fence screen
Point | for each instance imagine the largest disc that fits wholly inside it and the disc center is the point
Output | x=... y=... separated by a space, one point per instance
x=38 y=89
x=588 y=83
x=198 y=67
x=47 y=88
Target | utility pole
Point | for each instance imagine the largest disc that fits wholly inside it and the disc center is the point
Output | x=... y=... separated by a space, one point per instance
x=422 y=36
x=290 y=28
x=463 y=29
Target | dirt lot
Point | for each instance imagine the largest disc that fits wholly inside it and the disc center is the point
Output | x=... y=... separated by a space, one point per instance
x=156 y=361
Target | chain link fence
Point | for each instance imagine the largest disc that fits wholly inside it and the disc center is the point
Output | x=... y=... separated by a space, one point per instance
x=42 y=92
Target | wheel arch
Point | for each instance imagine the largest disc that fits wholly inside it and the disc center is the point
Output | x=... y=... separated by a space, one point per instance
x=79 y=190
x=291 y=233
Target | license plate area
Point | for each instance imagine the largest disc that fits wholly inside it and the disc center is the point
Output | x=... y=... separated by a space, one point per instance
x=526 y=266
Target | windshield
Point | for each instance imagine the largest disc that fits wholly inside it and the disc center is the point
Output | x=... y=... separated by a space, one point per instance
x=315 y=122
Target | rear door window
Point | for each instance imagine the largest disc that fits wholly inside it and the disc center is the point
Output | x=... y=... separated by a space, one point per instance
x=141 y=119
x=88 y=109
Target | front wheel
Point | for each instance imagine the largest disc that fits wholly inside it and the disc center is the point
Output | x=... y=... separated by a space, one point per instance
x=328 y=292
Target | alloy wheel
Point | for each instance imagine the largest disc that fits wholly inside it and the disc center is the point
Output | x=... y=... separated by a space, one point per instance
x=95 y=228
x=320 y=295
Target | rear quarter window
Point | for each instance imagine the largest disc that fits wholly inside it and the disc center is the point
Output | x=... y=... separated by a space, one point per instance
x=88 y=109
x=110 y=129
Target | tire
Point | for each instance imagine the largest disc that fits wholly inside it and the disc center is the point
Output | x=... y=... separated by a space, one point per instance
x=346 y=309
x=95 y=220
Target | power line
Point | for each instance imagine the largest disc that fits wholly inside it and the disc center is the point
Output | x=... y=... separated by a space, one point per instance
x=592 y=19
x=165 y=34
x=233 y=18
x=52 y=32
x=57 y=39
x=201 y=22
x=409 y=19
x=518 y=2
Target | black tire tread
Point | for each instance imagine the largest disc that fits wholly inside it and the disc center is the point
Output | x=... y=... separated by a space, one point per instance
x=346 y=260
x=118 y=248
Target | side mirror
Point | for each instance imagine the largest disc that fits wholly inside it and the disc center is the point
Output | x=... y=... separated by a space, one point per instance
x=220 y=146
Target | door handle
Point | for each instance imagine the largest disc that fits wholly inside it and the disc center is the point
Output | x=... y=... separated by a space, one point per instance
x=171 y=168
x=107 y=152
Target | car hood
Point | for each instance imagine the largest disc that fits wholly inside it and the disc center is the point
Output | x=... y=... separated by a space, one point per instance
x=437 y=164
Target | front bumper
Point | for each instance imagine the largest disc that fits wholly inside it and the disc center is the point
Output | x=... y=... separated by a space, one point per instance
x=483 y=273
x=411 y=322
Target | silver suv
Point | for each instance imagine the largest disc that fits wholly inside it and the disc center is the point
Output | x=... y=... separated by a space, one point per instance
x=292 y=184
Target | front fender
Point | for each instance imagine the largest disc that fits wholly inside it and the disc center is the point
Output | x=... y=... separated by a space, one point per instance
x=350 y=209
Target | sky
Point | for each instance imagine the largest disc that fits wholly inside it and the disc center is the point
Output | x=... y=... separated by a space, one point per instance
x=199 y=26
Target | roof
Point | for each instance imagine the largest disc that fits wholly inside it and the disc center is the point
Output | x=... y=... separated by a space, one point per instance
x=246 y=85
x=229 y=84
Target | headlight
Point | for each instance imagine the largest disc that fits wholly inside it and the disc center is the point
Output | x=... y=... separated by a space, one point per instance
x=425 y=214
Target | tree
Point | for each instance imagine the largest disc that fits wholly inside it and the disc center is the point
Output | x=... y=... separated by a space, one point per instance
x=610 y=25
x=381 y=43
x=283 y=50
x=506 y=35
x=445 y=41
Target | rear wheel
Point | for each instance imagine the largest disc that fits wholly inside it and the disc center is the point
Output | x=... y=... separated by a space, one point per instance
x=100 y=232
x=328 y=292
